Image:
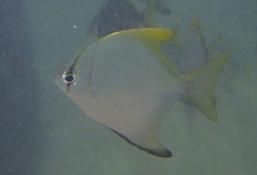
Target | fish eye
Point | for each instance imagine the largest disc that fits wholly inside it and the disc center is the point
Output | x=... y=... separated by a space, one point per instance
x=68 y=78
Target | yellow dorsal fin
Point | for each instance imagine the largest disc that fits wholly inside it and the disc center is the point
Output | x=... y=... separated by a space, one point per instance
x=149 y=33
x=152 y=37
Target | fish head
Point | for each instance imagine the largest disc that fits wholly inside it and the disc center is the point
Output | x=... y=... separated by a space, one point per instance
x=75 y=78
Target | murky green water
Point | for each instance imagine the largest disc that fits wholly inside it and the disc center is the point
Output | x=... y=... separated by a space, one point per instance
x=59 y=139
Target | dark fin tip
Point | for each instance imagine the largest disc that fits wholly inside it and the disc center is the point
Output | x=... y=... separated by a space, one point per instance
x=165 y=153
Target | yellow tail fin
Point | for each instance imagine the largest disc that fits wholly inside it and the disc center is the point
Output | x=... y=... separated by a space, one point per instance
x=200 y=85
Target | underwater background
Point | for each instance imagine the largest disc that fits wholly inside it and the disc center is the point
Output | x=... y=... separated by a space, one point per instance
x=43 y=132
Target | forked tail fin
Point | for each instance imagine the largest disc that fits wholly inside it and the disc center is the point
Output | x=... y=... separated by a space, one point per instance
x=200 y=84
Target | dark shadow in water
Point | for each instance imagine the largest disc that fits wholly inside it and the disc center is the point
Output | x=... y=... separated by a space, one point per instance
x=20 y=133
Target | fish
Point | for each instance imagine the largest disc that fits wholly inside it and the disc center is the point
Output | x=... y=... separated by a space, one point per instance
x=127 y=82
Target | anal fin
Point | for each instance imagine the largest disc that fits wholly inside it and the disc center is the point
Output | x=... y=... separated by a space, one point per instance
x=160 y=152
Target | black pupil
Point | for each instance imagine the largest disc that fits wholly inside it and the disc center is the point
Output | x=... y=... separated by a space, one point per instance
x=69 y=77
